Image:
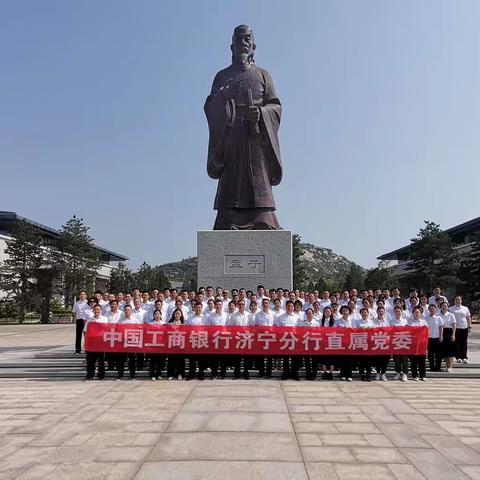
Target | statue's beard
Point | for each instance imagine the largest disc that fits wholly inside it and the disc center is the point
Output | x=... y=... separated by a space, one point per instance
x=243 y=58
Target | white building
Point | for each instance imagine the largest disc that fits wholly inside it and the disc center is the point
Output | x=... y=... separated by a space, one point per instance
x=108 y=258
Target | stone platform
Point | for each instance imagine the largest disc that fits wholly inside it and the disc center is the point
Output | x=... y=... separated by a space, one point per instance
x=245 y=258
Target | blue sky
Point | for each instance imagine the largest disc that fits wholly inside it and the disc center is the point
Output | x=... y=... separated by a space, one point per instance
x=102 y=116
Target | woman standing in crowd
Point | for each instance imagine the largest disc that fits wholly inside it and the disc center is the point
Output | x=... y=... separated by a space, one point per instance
x=417 y=362
x=157 y=360
x=365 y=362
x=435 y=335
x=381 y=361
x=176 y=361
x=310 y=361
x=327 y=361
x=346 y=360
x=464 y=324
x=449 y=323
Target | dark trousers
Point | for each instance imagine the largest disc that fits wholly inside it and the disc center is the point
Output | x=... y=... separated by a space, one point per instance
x=79 y=326
x=264 y=365
x=381 y=362
x=346 y=366
x=417 y=364
x=193 y=361
x=176 y=365
x=365 y=365
x=237 y=360
x=434 y=354
x=92 y=358
x=218 y=362
x=311 y=367
x=461 y=336
x=291 y=365
x=140 y=360
x=157 y=364
x=401 y=363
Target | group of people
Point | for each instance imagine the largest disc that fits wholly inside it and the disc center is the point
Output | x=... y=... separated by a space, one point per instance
x=448 y=328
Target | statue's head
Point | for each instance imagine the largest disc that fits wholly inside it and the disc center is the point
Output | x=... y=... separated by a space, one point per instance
x=242 y=46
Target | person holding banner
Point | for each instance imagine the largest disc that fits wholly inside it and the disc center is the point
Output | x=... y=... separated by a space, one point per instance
x=93 y=357
x=176 y=361
x=240 y=319
x=401 y=361
x=198 y=318
x=264 y=318
x=289 y=319
x=381 y=361
x=218 y=317
x=114 y=315
x=132 y=357
x=346 y=361
x=327 y=361
x=417 y=362
x=157 y=360
x=365 y=362
x=309 y=360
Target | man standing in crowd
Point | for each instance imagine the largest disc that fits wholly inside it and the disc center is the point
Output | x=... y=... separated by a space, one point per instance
x=78 y=311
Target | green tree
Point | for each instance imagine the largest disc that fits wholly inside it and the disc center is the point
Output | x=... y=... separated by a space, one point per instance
x=76 y=257
x=379 y=277
x=300 y=276
x=469 y=271
x=121 y=279
x=433 y=259
x=355 y=278
x=25 y=256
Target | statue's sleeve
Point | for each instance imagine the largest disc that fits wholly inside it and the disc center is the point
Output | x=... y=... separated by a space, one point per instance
x=217 y=113
x=271 y=113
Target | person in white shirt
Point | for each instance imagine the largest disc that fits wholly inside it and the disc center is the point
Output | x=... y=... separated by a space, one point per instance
x=176 y=361
x=288 y=319
x=178 y=303
x=355 y=313
x=417 y=362
x=225 y=300
x=93 y=357
x=142 y=317
x=344 y=298
x=147 y=305
x=240 y=319
x=297 y=310
x=325 y=301
x=265 y=318
x=310 y=361
x=335 y=311
x=449 y=348
x=309 y=302
x=217 y=361
x=197 y=318
x=437 y=297
x=157 y=360
x=78 y=312
x=464 y=325
x=381 y=361
x=277 y=309
x=365 y=363
x=401 y=361
x=327 y=361
x=435 y=336
x=114 y=315
x=133 y=358
x=346 y=360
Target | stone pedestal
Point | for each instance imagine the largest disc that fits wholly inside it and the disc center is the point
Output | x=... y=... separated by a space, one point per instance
x=245 y=258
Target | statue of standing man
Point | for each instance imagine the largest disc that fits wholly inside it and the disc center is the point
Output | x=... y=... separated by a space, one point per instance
x=243 y=114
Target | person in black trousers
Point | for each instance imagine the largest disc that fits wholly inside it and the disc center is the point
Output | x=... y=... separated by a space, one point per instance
x=94 y=357
x=417 y=362
x=157 y=360
x=435 y=336
x=176 y=361
x=78 y=311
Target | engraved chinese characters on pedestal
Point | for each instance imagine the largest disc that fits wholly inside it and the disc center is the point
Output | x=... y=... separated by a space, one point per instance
x=243 y=114
x=244 y=264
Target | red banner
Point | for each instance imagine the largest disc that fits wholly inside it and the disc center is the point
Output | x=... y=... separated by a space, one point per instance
x=149 y=338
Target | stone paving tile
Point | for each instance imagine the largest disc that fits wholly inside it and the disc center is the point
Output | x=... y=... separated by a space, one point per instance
x=363 y=472
x=231 y=422
x=401 y=435
x=327 y=454
x=229 y=404
x=472 y=471
x=433 y=464
x=405 y=472
x=232 y=470
x=320 y=471
x=378 y=455
x=226 y=446
x=452 y=449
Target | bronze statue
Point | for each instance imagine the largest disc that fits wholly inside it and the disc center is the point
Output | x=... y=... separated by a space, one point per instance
x=243 y=114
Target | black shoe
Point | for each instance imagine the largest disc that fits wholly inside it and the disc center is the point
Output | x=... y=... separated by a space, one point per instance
x=246 y=376
x=363 y=378
x=201 y=377
x=324 y=376
x=236 y=377
x=213 y=377
x=268 y=376
x=285 y=377
x=297 y=379
x=368 y=378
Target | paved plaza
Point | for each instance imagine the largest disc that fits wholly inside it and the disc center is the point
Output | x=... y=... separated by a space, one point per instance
x=257 y=429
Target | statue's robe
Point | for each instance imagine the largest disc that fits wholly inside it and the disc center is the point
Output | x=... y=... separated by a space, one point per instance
x=246 y=163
